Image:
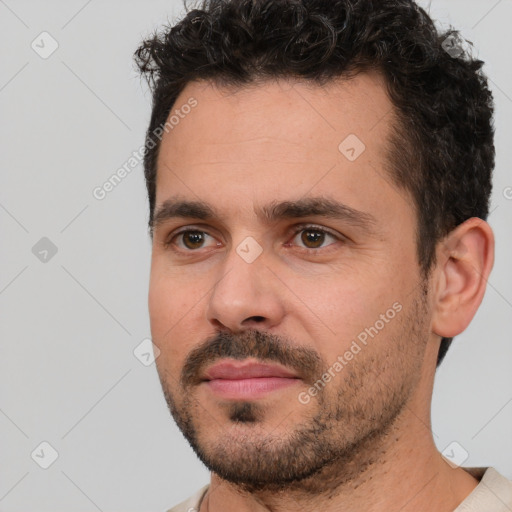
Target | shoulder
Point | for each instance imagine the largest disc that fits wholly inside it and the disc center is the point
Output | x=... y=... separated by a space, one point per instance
x=492 y=494
x=192 y=503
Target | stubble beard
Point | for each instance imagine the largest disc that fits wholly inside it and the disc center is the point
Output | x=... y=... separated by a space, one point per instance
x=351 y=430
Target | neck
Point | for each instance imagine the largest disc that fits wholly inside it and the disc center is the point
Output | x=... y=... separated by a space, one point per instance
x=403 y=470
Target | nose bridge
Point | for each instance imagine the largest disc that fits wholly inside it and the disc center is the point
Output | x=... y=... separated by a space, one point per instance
x=245 y=292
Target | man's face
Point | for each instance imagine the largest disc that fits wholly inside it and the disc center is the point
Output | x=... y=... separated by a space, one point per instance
x=336 y=300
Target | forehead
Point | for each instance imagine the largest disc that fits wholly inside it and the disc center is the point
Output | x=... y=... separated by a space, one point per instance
x=279 y=138
x=283 y=110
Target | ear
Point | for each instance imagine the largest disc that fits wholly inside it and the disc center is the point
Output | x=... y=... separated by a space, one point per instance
x=465 y=260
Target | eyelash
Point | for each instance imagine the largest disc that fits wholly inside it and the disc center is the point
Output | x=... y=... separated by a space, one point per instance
x=298 y=229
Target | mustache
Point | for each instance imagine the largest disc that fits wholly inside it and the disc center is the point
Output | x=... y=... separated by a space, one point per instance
x=265 y=347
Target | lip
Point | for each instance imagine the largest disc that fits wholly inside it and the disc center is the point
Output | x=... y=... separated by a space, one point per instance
x=234 y=370
x=247 y=380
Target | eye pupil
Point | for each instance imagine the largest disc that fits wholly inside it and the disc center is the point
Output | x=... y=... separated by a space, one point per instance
x=313 y=236
x=196 y=237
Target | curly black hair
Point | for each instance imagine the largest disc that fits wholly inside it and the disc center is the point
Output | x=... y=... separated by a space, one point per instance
x=441 y=150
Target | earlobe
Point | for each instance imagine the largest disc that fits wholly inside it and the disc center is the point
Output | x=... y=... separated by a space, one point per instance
x=465 y=260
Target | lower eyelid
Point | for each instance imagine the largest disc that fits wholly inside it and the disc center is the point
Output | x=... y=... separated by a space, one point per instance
x=319 y=230
x=295 y=232
x=181 y=233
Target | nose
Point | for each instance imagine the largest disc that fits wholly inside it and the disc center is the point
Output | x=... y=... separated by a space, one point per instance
x=246 y=295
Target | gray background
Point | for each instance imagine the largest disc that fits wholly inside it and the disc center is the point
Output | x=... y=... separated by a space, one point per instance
x=70 y=325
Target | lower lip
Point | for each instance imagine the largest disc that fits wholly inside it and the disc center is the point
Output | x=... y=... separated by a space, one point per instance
x=248 y=388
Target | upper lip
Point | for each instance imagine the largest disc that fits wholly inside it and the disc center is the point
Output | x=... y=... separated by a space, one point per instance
x=246 y=370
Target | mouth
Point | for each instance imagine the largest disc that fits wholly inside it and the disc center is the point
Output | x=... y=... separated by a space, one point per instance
x=247 y=379
x=236 y=370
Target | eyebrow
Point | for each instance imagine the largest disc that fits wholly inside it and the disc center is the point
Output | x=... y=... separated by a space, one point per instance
x=270 y=213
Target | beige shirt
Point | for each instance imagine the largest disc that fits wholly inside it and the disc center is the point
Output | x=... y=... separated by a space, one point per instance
x=492 y=494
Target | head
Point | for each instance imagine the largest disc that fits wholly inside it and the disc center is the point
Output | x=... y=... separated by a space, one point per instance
x=270 y=116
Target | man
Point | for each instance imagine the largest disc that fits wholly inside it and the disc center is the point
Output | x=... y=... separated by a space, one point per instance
x=319 y=175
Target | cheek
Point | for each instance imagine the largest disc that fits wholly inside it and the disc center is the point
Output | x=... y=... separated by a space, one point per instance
x=175 y=304
x=167 y=296
x=340 y=312
x=165 y=310
x=345 y=303
x=165 y=332
x=159 y=304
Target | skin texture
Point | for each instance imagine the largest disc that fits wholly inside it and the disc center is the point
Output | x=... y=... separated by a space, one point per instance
x=302 y=303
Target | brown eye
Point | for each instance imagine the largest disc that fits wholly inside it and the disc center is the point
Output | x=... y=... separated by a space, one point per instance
x=312 y=238
x=193 y=239
x=189 y=240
